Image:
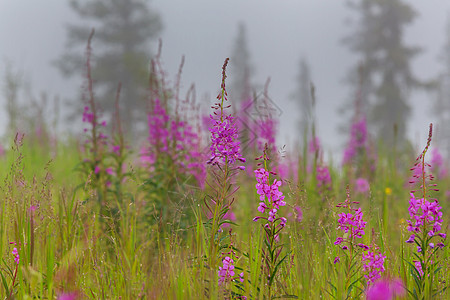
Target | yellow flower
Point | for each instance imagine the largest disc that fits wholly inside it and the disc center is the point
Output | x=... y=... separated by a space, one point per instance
x=388 y=191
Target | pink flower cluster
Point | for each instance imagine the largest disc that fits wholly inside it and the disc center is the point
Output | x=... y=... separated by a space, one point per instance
x=314 y=145
x=423 y=215
x=358 y=140
x=323 y=177
x=226 y=272
x=178 y=140
x=353 y=223
x=158 y=121
x=373 y=266
x=225 y=145
x=16 y=256
x=266 y=131
x=362 y=186
x=438 y=164
x=90 y=118
x=269 y=195
x=385 y=289
x=418 y=266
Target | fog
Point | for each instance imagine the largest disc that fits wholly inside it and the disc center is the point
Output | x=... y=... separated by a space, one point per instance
x=280 y=33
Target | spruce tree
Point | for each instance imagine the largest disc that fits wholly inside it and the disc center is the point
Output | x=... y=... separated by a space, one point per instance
x=124 y=30
x=303 y=97
x=241 y=69
x=378 y=42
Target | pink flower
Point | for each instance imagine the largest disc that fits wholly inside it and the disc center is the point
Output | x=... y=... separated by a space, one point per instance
x=68 y=296
x=299 y=212
x=424 y=214
x=323 y=177
x=362 y=185
x=109 y=171
x=385 y=289
x=226 y=272
x=358 y=141
x=15 y=253
x=225 y=145
x=418 y=266
x=373 y=266
x=314 y=145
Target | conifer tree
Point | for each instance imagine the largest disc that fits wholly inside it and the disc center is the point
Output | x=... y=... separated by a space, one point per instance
x=241 y=68
x=378 y=41
x=124 y=30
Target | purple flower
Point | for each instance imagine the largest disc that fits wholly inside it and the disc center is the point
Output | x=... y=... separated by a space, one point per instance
x=379 y=291
x=226 y=272
x=225 y=145
x=271 y=199
x=358 y=141
x=437 y=163
x=314 y=145
x=411 y=239
x=418 y=266
x=323 y=177
x=176 y=139
x=373 y=266
x=268 y=192
x=266 y=130
x=68 y=296
x=262 y=207
x=362 y=246
x=336 y=260
x=339 y=241
x=15 y=253
x=354 y=222
x=385 y=289
x=116 y=149
x=362 y=185
x=424 y=214
x=299 y=213
x=87 y=116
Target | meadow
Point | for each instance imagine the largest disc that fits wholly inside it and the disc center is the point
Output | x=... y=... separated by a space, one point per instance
x=210 y=207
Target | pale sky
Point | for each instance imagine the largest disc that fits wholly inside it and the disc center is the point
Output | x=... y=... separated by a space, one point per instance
x=280 y=33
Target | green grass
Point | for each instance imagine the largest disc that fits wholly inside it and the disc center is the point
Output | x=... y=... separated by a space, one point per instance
x=66 y=246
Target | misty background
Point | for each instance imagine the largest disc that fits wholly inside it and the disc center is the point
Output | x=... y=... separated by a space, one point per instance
x=279 y=35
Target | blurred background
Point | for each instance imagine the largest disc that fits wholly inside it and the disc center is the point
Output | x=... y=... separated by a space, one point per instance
x=389 y=59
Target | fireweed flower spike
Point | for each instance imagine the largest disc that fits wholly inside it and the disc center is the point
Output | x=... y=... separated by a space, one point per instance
x=358 y=257
x=227 y=273
x=424 y=224
x=373 y=266
x=15 y=253
x=225 y=145
x=358 y=140
x=225 y=163
x=270 y=201
x=351 y=223
x=175 y=139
